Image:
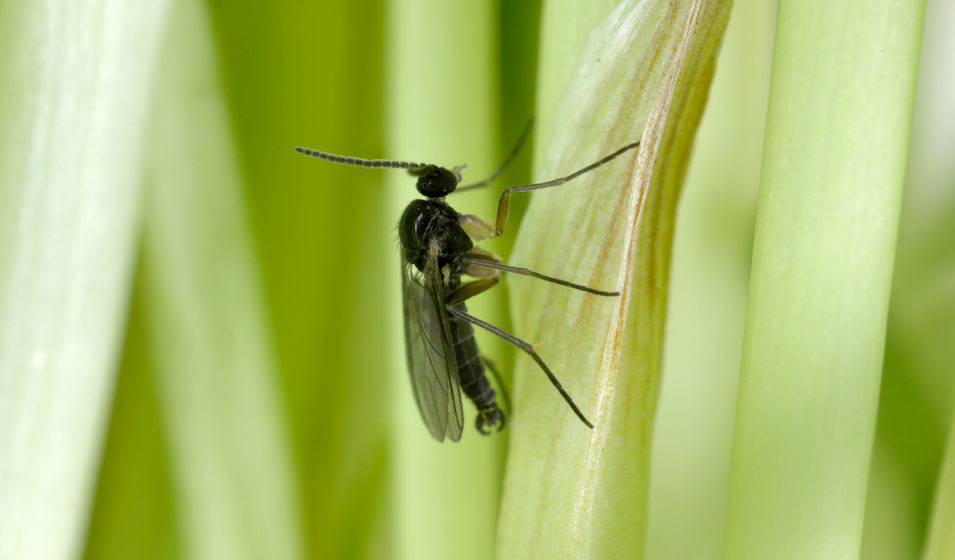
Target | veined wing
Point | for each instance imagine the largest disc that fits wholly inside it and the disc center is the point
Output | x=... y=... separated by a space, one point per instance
x=431 y=362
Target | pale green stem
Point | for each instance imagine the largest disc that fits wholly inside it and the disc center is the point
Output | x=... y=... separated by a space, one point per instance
x=693 y=433
x=442 y=109
x=75 y=79
x=638 y=72
x=833 y=165
x=206 y=322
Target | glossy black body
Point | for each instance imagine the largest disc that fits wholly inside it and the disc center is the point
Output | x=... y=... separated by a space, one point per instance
x=427 y=221
x=433 y=221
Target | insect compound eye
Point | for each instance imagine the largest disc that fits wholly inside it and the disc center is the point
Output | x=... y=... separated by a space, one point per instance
x=437 y=182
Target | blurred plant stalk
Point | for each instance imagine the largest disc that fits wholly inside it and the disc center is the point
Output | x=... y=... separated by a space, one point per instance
x=834 y=160
x=206 y=321
x=441 y=108
x=610 y=74
x=75 y=80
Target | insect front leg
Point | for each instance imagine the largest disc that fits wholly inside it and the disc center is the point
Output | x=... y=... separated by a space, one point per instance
x=504 y=202
x=476 y=228
x=504 y=165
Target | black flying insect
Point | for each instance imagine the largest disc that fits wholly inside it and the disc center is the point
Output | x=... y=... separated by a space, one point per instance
x=437 y=250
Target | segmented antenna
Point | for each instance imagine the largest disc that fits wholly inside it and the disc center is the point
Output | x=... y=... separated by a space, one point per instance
x=358 y=162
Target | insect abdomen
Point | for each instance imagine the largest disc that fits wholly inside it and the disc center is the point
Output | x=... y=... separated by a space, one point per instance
x=470 y=369
x=471 y=373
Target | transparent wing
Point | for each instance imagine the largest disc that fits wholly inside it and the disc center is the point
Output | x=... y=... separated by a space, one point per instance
x=431 y=363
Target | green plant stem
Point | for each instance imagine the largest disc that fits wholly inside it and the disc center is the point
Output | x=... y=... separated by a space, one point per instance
x=833 y=165
x=640 y=71
x=311 y=73
x=75 y=80
x=693 y=432
x=205 y=320
x=441 y=108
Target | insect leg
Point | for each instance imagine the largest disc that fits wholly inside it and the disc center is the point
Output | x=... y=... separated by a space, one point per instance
x=526 y=348
x=480 y=271
x=507 y=161
x=497 y=378
x=478 y=262
x=483 y=254
x=476 y=271
x=470 y=290
x=476 y=228
x=502 y=205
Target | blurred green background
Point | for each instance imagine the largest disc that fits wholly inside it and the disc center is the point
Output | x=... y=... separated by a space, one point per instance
x=261 y=405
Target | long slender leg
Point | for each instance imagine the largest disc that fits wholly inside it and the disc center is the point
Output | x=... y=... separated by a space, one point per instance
x=497 y=377
x=477 y=262
x=502 y=205
x=507 y=161
x=526 y=348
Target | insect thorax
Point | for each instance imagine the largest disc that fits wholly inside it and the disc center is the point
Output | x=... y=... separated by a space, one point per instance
x=427 y=220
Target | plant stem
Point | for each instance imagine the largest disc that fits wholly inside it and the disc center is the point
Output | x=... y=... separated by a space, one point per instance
x=205 y=319
x=640 y=71
x=834 y=159
x=75 y=81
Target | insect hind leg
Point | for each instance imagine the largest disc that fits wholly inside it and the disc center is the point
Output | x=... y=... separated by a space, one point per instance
x=505 y=396
x=530 y=352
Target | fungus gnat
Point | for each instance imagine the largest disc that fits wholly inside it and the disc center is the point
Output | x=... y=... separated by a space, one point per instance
x=437 y=249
